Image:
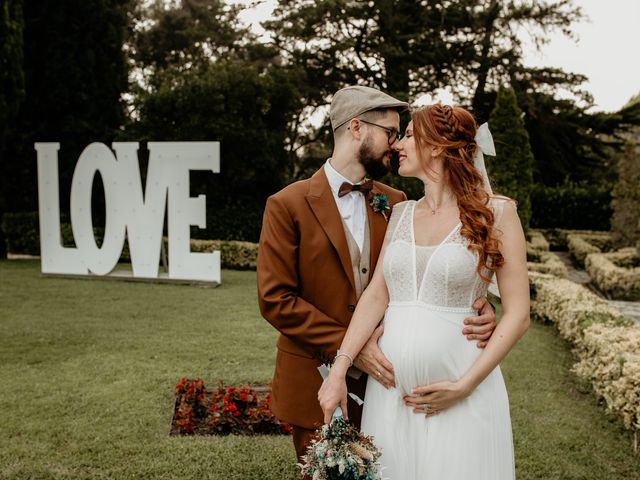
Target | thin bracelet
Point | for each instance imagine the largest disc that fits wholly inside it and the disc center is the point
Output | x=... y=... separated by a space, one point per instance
x=342 y=354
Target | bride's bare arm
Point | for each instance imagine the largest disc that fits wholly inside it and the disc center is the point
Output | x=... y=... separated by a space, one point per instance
x=368 y=313
x=514 y=291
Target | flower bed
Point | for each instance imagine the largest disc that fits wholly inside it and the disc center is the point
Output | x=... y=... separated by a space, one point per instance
x=617 y=273
x=223 y=411
x=607 y=343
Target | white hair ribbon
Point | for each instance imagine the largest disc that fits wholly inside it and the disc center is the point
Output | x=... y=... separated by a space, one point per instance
x=484 y=140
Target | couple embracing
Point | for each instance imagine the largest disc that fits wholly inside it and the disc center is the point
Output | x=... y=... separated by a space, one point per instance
x=393 y=292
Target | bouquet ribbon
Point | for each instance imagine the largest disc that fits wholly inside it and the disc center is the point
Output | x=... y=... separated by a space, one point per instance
x=324 y=373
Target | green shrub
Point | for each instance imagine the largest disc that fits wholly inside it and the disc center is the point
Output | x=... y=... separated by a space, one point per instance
x=512 y=168
x=21 y=232
x=557 y=238
x=537 y=240
x=572 y=307
x=617 y=273
x=625 y=223
x=610 y=360
x=571 y=206
x=234 y=255
x=547 y=262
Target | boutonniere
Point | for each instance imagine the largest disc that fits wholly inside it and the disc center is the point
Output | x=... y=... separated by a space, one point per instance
x=380 y=204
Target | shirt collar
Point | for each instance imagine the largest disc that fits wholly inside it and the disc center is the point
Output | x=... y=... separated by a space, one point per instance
x=335 y=178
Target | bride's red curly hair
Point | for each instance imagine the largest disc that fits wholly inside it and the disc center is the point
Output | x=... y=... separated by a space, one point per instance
x=453 y=129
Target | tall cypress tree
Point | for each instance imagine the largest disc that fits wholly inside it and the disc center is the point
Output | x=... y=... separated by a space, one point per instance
x=11 y=85
x=75 y=72
x=511 y=169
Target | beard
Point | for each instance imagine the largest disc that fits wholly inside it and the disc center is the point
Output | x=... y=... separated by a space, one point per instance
x=374 y=162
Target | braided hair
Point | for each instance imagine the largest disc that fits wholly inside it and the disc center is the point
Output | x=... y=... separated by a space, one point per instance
x=453 y=129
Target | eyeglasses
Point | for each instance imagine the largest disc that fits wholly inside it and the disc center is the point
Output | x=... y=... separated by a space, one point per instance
x=392 y=133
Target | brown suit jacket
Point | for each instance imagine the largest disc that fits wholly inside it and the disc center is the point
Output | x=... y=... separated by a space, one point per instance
x=306 y=287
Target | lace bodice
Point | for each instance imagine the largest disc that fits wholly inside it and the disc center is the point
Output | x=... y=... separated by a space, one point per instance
x=442 y=275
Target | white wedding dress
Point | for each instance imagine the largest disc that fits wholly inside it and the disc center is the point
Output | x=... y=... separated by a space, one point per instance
x=431 y=291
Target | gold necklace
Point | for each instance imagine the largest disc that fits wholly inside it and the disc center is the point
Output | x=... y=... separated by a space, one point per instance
x=435 y=209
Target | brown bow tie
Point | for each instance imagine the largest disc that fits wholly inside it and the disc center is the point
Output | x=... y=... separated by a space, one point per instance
x=347 y=187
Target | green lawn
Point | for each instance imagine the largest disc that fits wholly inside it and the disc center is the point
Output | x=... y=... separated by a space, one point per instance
x=87 y=370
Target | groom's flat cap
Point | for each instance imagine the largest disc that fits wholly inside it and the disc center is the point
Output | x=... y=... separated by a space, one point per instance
x=350 y=102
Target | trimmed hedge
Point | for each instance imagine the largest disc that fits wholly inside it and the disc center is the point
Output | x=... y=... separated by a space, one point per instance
x=537 y=240
x=580 y=248
x=607 y=343
x=548 y=262
x=610 y=361
x=557 y=237
x=540 y=259
x=22 y=234
x=234 y=255
x=617 y=273
x=572 y=307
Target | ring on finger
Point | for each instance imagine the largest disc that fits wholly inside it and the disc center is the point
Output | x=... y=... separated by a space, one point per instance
x=378 y=374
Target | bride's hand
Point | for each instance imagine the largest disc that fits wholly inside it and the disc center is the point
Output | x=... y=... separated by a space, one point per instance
x=434 y=398
x=333 y=394
x=372 y=361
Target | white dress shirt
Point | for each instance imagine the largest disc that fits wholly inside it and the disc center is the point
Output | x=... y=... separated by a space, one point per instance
x=351 y=206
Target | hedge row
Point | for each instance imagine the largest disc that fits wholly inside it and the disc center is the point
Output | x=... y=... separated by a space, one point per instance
x=22 y=236
x=607 y=343
x=540 y=259
x=571 y=206
x=579 y=248
x=548 y=262
x=616 y=273
x=558 y=237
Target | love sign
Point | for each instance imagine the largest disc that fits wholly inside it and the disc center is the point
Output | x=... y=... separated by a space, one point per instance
x=129 y=211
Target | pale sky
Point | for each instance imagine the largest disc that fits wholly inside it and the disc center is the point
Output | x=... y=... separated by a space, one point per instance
x=606 y=50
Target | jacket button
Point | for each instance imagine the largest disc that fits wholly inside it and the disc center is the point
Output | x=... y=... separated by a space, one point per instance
x=351 y=308
x=364 y=270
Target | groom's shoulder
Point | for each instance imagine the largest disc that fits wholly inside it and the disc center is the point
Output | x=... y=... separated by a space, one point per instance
x=294 y=191
x=393 y=194
x=291 y=197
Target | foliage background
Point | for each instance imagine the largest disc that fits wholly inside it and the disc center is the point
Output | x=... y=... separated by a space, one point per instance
x=140 y=70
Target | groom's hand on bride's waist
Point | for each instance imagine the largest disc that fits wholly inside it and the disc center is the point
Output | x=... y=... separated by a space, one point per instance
x=372 y=361
x=480 y=327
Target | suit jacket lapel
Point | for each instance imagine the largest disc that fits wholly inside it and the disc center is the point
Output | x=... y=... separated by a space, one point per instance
x=377 y=228
x=321 y=201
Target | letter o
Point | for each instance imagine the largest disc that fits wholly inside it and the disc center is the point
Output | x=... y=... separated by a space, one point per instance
x=97 y=157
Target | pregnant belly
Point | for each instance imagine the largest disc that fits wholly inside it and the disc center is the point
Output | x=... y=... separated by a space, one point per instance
x=426 y=345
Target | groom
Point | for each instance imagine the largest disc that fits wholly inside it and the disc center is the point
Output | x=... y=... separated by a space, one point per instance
x=320 y=242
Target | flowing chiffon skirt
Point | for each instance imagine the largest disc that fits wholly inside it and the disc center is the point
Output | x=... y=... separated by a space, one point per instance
x=470 y=440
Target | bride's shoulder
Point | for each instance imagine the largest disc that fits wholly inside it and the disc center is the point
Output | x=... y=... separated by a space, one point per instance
x=500 y=201
x=499 y=204
x=399 y=207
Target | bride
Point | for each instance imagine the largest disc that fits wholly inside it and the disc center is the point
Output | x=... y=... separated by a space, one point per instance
x=448 y=415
